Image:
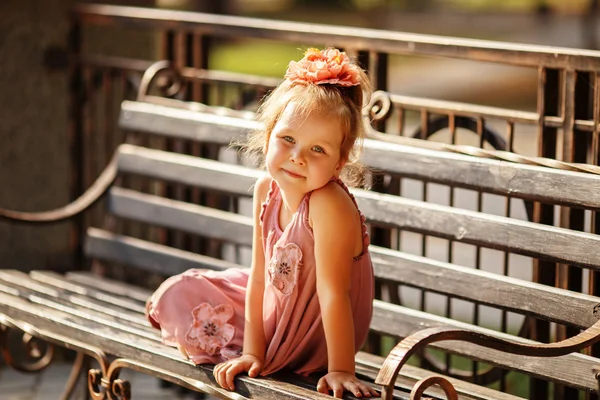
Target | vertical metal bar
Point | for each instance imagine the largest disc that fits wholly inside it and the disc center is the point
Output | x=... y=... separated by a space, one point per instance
x=424 y=135
x=510 y=130
x=543 y=271
x=196 y=95
x=452 y=128
x=109 y=116
x=177 y=145
x=568 y=116
x=88 y=134
x=594 y=284
x=109 y=126
x=401 y=120
x=75 y=138
x=120 y=137
x=578 y=106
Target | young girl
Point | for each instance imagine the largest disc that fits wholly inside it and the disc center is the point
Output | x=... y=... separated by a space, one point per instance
x=306 y=302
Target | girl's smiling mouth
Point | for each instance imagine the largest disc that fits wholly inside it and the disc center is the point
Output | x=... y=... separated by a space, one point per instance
x=292 y=174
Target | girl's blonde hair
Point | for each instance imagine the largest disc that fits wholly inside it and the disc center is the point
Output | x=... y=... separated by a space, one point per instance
x=342 y=102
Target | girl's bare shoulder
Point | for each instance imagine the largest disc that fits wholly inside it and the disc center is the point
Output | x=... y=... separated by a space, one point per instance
x=333 y=203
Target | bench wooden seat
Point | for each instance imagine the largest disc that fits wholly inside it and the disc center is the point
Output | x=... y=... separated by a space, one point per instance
x=103 y=318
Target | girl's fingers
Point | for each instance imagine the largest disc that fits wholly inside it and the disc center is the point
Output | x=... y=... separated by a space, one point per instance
x=338 y=390
x=222 y=376
x=216 y=371
x=254 y=370
x=322 y=386
x=232 y=371
x=367 y=391
x=373 y=392
x=353 y=388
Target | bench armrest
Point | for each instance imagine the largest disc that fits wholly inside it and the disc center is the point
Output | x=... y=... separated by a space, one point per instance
x=409 y=345
x=82 y=203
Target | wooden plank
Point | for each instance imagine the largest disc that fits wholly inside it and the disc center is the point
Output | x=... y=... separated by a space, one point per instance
x=62 y=302
x=120 y=288
x=502 y=233
x=146 y=255
x=494 y=176
x=495 y=290
x=188 y=170
x=500 y=177
x=191 y=218
x=573 y=369
x=181 y=123
x=23 y=282
x=51 y=281
x=61 y=328
x=400 y=321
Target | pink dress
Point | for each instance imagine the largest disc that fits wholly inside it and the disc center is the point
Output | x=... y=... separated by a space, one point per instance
x=203 y=311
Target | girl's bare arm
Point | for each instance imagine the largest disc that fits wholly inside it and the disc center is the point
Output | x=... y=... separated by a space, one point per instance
x=254 y=337
x=338 y=238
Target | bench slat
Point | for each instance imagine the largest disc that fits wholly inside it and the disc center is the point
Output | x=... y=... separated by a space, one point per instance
x=366 y=363
x=400 y=321
x=146 y=255
x=495 y=290
x=191 y=218
x=46 y=320
x=62 y=303
x=180 y=123
x=502 y=233
x=50 y=284
x=500 y=177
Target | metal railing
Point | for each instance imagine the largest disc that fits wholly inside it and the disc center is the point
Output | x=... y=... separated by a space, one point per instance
x=565 y=123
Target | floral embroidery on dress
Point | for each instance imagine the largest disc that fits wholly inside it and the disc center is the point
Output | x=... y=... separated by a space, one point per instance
x=210 y=331
x=284 y=268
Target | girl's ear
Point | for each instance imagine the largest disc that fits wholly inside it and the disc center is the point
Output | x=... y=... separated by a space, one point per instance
x=340 y=165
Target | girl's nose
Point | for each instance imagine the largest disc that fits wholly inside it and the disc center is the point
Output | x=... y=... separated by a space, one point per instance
x=297 y=157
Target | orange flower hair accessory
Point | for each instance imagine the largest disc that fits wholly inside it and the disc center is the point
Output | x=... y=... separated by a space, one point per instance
x=323 y=66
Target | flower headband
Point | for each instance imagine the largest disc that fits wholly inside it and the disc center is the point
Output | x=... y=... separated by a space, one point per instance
x=323 y=66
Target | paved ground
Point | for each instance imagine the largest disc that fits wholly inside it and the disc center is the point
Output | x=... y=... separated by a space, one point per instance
x=49 y=385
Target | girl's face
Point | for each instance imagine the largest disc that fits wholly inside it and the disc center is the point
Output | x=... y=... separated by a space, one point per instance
x=303 y=153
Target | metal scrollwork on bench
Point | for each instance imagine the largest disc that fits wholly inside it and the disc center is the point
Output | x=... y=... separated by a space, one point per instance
x=119 y=389
x=38 y=354
x=112 y=387
x=417 y=392
x=167 y=80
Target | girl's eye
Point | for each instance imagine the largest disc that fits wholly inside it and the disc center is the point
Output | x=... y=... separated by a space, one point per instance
x=318 y=149
x=288 y=139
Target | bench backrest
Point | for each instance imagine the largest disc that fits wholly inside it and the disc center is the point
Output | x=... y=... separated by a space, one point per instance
x=394 y=267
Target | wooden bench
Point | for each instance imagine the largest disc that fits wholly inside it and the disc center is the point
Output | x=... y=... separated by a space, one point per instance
x=103 y=318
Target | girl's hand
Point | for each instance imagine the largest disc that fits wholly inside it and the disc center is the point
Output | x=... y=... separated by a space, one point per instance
x=225 y=372
x=340 y=381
